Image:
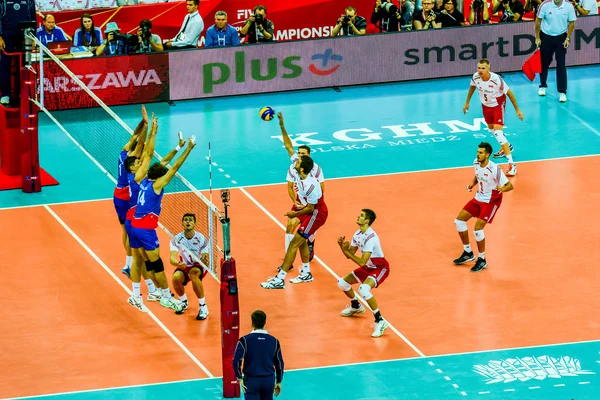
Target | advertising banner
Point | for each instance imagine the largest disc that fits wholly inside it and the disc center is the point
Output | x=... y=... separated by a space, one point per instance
x=132 y=79
x=394 y=57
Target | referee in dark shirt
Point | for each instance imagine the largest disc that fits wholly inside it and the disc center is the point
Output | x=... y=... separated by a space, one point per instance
x=263 y=363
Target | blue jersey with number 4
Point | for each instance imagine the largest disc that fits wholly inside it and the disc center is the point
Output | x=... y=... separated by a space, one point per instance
x=148 y=206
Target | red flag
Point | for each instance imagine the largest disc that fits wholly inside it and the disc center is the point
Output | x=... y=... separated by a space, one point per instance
x=533 y=65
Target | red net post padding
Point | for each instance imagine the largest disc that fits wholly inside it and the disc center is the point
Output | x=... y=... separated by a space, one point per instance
x=30 y=159
x=230 y=326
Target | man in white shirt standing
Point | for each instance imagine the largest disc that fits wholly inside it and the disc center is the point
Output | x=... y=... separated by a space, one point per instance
x=492 y=93
x=492 y=183
x=190 y=31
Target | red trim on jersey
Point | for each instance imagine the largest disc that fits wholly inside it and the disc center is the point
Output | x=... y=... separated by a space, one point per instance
x=149 y=221
x=122 y=193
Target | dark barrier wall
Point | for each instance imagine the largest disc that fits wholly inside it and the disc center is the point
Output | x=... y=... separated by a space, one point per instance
x=367 y=59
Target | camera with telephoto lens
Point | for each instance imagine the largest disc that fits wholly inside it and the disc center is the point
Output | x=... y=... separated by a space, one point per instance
x=346 y=19
x=146 y=34
x=258 y=18
x=388 y=7
x=478 y=4
x=128 y=39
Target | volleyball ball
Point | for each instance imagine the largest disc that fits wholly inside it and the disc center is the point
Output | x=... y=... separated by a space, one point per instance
x=267 y=113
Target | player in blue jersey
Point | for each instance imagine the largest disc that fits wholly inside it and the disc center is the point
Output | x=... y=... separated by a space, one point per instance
x=145 y=222
x=121 y=192
x=138 y=168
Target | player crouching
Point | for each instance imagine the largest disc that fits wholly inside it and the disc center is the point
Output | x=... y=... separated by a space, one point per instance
x=187 y=248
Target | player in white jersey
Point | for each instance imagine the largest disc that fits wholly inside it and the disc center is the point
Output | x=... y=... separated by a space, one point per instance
x=492 y=93
x=189 y=250
x=292 y=179
x=372 y=269
x=312 y=217
x=492 y=183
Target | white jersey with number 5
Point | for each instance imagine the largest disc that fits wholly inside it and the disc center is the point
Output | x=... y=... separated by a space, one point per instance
x=368 y=242
x=490 y=90
x=488 y=179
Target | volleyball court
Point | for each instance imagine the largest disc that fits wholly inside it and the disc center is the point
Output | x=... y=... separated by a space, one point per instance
x=68 y=321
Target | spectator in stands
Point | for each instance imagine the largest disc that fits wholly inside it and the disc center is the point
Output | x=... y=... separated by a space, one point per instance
x=113 y=45
x=480 y=13
x=585 y=7
x=407 y=9
x=427 y=18
x=258 y=28
x=148 y=42
x=450 y=16
x=386 y=16
x=350 y=24
x=512 y=10
x=221 y=33
x=87 y=34
x=193 y=25
x=50 y=33
x=532 y=5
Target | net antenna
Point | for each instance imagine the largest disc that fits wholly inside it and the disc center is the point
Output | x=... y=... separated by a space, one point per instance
x=180 y=194
x=225 y=221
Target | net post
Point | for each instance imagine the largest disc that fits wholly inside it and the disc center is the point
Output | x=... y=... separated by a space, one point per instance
x=30 y=160
x=230 y=309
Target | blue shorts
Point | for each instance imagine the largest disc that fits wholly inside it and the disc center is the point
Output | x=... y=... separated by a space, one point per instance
x=121 y=206
x=133 y=242
x=146 y=238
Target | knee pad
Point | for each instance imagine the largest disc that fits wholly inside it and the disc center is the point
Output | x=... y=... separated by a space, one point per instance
x=479 y=236
x=500 y=137
x=461 y=226
x=148 y=266
x=365 y=291
x=342 y=284
x=155 y=266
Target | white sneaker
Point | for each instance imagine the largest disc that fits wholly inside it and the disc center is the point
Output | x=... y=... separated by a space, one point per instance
x=155 y=296
x=380 y=327
x=4 y=100
x=202 y=313
x=350 y=311
x=138 y=303
x=303 y=277
x=562 y=97
x=512 y=171
x=172 y=303
x=274 y=283
x=184 y=305
x=542 y=91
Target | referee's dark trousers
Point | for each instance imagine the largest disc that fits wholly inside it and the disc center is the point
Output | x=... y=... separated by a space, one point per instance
x=554 y=45
x=259 y=387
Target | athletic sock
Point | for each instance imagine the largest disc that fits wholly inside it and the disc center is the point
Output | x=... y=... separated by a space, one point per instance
x=136 y=289
x=354 y=302
x=166 y=293
x=377 y=315
x=288 y=239
x=305 y=268
x=202 y=302
x=467 y=248
x=482 y=255
x=151 y=287
x=183 y=297
x=128 y=261
x=510 y=159
x=281 y=275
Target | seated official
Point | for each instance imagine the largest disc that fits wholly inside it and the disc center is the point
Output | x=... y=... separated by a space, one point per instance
x=258 y=29
x=113 y=45
x=148 y=42
x=87 y=34
x=50 y=33
x=193 y=25
x=221 y=33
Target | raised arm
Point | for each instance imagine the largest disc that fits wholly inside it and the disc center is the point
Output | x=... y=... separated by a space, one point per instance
x=140 y=134
x=167 y=159
x=164 y=180
x=148 y=152
x=287 y=142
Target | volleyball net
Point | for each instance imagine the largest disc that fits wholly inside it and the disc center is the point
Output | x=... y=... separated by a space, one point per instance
x=101 y=135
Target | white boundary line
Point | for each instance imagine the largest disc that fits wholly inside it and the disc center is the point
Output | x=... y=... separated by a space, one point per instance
x=396 y=331
x=320 y=367
x=103 y=265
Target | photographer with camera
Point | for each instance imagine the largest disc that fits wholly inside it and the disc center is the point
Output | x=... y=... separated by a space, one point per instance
x=532 y=5
x=426 y=19
x=258 y=28
x=585 y=7
x=480 y=13
x=115 y=43
x=450 y=16
x=512 y=10
x=350 y=24
x=386 y=16
x=148 y=42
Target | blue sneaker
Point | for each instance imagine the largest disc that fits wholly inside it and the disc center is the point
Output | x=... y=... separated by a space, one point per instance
x=126 y=271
